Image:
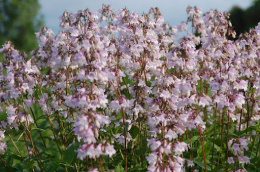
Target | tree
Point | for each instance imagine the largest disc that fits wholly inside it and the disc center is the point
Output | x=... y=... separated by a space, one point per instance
x=19 y=20
x=238 y=19
x=243 y=20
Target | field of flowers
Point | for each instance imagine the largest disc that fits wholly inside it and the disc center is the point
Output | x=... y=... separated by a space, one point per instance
x=121 y=91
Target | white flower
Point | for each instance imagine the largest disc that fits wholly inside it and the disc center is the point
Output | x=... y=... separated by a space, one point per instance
x=243 y=159
x=171 y=135
x=2 y=136
x=177 y=167
x=91 y=151
x=235 y=148
x=190 y=163
x=152 y=122
x=180 y=147
x=10 y=119
x=165 y=94
x=93 y=170
x=114 y=105
x=10 y=110
x=80 y=59
x=101 y=119
x=138 y=109
x=152 y=158
x=241 y=85
x=28 y=102
x=239 y=100
x=205 y=101
x=3 y=147
x=109 y=150
x=154 y=144
x=89 y=136
x=231 y=160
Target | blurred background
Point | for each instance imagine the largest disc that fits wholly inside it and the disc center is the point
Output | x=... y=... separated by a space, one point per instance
x=20 y=19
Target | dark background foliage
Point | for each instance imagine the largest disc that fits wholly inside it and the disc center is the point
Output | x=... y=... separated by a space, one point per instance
x=244 y=19
x=19 y=20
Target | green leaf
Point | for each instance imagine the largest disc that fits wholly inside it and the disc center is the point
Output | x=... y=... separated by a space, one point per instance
x=70 y=153
x=50 y=166
x=194 y=138
x=119 y=168
x=138 y=167
x=199 y=162
x=10 y=160
x=218 y=148
x=49 y=151
x=134 y=131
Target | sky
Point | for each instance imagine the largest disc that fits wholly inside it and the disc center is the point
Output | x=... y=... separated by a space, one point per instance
x=174 y=11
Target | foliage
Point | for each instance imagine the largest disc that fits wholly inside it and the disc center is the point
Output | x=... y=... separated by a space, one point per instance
x=118 y=91
x=245 y=19
x=19 y=20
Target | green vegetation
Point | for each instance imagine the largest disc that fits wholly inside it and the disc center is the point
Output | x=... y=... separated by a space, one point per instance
x=244 y=19
x=19 y=20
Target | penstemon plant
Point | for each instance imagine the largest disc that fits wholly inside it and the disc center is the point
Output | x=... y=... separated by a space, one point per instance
x=119 y=91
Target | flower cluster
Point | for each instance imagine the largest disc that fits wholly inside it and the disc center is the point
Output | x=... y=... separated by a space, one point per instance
x=237 y=147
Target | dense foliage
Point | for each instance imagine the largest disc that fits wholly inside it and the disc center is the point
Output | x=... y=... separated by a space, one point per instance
x=19 y=20
x=122 y=91
x=245 y=19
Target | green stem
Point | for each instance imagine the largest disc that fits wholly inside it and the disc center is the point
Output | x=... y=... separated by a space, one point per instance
x=14 y=145
x=55 y=137
x=252 y=146
x=4 y=163
x=227 y=142
x=247 y=122
x=257 y=149
x=239 y=129
x=202 y=145
x=221 y=135
x=125 y=136
x=34 y=151
x=38 y=127
x=214 y=135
